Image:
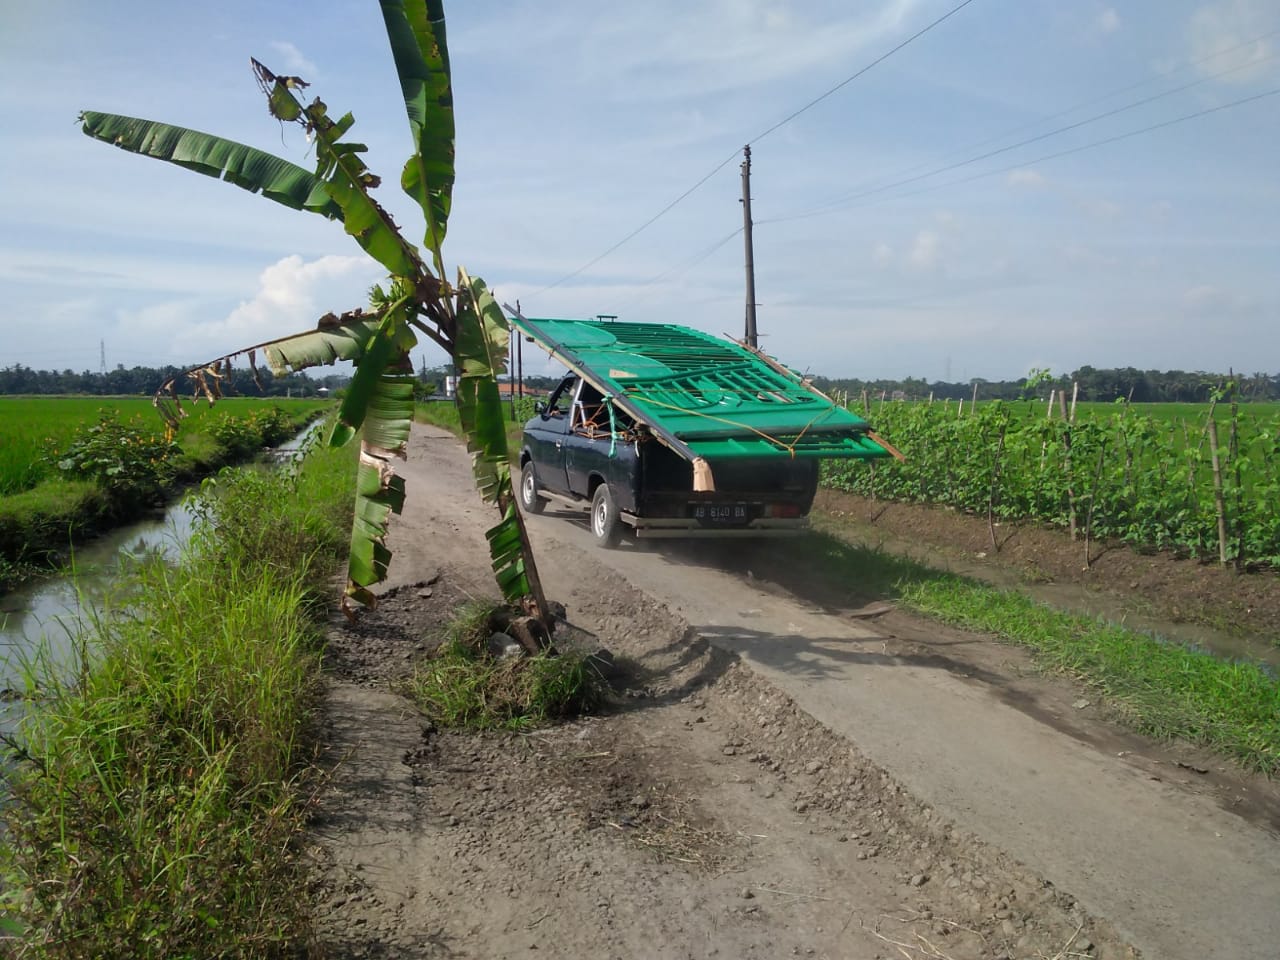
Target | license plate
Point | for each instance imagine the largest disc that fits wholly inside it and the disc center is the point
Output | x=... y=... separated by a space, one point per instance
x=726 y=514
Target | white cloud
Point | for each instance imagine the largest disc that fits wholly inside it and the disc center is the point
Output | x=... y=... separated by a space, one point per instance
x=1229 y=36
x=1108 y=21
x=292 y=294
x=925 y=251
x=294 y=62
x=1025 y=178
x=1207 y=300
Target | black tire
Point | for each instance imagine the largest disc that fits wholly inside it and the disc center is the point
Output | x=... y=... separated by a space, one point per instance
x=606 y=524
x=529 y=499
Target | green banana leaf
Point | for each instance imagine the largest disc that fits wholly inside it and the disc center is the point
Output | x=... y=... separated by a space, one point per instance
x=480 y=356
x=345 y=176
x=387 y=416
x=245 y=166
x=416 y=30
x=336 y=338
x=379 y=493
x=387 y=349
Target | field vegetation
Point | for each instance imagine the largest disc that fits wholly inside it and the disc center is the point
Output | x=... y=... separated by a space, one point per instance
x=70 y=466
x=158 y=784
x=1200 y=480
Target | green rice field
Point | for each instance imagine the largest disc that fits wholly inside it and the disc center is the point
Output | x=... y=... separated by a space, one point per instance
x=34 y=430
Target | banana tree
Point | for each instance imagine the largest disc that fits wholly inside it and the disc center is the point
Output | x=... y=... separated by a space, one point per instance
x=417 y=298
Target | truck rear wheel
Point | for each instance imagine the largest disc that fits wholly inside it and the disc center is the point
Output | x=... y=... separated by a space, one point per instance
x=606 y=525
x=529 y=499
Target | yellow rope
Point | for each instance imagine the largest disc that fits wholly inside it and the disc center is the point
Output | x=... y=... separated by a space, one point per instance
x=789 y=447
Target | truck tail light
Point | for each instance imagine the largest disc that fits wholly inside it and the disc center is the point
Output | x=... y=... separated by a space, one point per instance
x=787 y=510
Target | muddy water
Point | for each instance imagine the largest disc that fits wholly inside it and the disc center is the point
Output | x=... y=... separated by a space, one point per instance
x=49 y=610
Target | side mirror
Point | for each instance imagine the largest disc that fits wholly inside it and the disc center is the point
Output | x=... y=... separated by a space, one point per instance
x=540 y=407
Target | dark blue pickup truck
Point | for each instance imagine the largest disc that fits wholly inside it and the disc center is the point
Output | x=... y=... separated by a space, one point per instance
x=581 y=451
x=670 y=432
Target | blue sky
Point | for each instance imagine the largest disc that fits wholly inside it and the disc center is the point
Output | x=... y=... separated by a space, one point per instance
x=578 y=121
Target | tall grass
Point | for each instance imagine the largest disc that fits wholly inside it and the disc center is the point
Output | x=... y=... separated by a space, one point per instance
x=156 y=794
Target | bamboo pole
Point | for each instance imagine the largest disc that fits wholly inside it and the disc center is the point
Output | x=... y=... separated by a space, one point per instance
x=1219 y=502
x=1066 y=462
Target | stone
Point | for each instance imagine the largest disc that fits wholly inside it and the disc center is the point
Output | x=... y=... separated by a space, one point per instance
x=503 y=647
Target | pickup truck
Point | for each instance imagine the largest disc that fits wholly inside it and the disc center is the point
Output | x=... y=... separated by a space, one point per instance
x=582 y=452
x=668 y=432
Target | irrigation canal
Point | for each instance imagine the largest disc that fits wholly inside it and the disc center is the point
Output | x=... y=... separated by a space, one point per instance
x=44 y=618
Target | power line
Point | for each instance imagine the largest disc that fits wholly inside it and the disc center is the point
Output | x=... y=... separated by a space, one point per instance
x=591 y=263
x=1063 y=153
x=681 y=268
x=1067 y=111
x=874 y=63
x=849 y=198
x=733 y=156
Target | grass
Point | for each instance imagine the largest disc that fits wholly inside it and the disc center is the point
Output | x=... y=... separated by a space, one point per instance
x=1159 y=688
x=463 y=685
x=158 y=790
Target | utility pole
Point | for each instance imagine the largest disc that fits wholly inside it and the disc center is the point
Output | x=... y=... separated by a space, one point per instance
x=102 y=357
x=520 y=354
x=746 y=236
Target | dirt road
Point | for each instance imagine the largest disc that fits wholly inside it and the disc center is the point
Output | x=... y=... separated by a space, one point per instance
x=783 y=778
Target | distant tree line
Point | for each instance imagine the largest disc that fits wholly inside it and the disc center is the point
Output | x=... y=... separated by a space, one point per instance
x=1105 y=385
x=146 y=380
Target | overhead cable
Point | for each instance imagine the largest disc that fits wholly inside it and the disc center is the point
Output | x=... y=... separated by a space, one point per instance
x=733 y=156
x=1050 y=156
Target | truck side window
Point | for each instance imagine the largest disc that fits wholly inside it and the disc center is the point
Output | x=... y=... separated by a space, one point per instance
x=590 y=415
x=561 y=397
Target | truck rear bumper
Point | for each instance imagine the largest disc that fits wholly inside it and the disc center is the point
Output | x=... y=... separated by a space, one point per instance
x=678 y=527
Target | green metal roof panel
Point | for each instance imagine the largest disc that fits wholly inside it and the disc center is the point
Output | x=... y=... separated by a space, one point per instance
x=718 y=397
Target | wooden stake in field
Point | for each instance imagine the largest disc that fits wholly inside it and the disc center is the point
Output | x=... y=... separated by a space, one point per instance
x=1066 y=459
x=1218 y=500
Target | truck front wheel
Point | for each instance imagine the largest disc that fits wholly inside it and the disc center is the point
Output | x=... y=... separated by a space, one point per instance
x=606 y=525
x=529 y=498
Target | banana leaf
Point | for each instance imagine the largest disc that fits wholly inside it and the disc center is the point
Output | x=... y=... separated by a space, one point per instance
x=337 y=338
x=379 y=493
x=480 y=355
x=387 y=350
x=249 y=168
x=416 y=30
x=507 y=549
